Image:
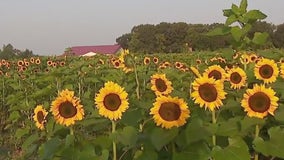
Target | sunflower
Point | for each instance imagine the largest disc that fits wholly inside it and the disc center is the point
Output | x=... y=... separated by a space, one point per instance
x=37 y=61
x=27 y=64
x=101 y=62
x=195 y=71
x=32 y=59
x=62 y=63
x=155 y=60
x=20 y=63
x=116 y=63
x=208 y=92
x=170 y=112
x=146 y=60
x=39 y=116
x=111 y=101
x=266 y=70
x=281 y=60
x=166 y=64
x=198 y=61
x=49 y=62
x=178 y=65
x=236 y=55
x=237 y=77
x=245 y=59
x=282 y=70
x=259 y=101
x=161 y=85
x=253 y=57
x=183 y=68
x=66 y=108
x=216 y=72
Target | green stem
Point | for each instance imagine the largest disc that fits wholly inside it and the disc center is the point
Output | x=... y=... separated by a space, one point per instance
x=214 y=122
x=256 y=136
x=113 y=142
x=3 y=92
x=137 y=82
x=57 y=86
x=79 y=86
x=71 y=131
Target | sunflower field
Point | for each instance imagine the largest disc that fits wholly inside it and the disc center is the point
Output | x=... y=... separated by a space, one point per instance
x=201 y=105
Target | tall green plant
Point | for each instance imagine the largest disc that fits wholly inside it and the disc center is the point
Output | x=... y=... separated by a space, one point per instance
x=238 y=24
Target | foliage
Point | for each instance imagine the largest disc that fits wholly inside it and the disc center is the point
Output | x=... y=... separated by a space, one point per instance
x=239 y=23
x=136 y=135
x=9 y=52
x=278 y=36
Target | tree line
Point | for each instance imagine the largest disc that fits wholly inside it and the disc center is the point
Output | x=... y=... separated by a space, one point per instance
x=9 y=52
x=182 y=37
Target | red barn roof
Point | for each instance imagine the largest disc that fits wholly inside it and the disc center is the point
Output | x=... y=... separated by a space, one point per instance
x=102 y=49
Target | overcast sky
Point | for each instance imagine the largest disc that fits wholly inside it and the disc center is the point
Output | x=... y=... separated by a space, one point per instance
x=47 y=27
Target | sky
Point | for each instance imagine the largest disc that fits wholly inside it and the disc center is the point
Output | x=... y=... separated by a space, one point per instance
x=47 y=27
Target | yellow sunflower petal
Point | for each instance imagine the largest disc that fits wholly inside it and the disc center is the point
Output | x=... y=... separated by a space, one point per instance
x=169 y=112
x=208 y=92
x=111 y=101
x=259 y=101
x=66 y=108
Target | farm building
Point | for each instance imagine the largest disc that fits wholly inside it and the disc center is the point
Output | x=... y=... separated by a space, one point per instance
x=93 y=50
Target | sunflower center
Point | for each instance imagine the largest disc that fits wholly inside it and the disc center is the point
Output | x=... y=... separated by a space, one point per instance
x=67 y=110
x=147 y=61
x=170 y=111
x=266 y=71
x=215 y=74
x=40 y=117
x=235 y=78
x=112 y=102
x=259 y=102
x=161 y=85
x=207 y=92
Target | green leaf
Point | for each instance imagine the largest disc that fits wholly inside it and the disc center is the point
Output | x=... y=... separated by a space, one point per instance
x=198 y=151
x=272 y=147
x=219 y=31
x=131 y=117
x=237 y=33
x=246 y=28
x=196 y=131
x=145 y=155
x=30 y=140
x=233 y=18
x=69 y=140
x=102 y=141
x=128 y=136
x=50 y=148
x=235 y=9
x=21 y=132
x=279 y=114
x=237 y=150
x=243 y=6
x=229 y=127
x=227 y=12
x=248 y=124
x=161 y=137
x=260 y=38
x=14 y=116
x=254 y=15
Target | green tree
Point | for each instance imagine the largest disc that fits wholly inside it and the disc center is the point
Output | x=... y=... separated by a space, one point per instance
x=143 y=39
x=278 y=36
x=8 y=52
x=124 y=40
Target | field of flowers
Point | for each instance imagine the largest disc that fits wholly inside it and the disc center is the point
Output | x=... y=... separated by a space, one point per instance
x=207 y=105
